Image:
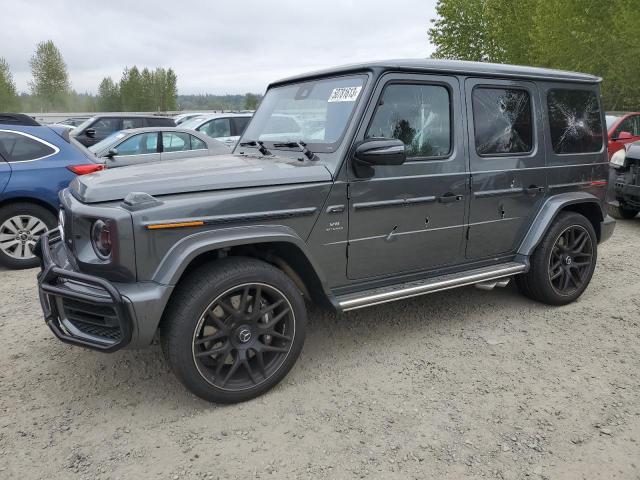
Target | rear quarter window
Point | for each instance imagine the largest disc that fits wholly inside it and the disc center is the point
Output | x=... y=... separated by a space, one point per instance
x=161 y=122
x=575 y=121
x=15 y=147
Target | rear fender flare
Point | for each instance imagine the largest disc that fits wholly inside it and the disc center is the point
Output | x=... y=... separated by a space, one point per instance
x=547 y=214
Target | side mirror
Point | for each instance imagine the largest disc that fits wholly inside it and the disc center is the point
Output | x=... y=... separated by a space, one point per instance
x=112 y=153
x=624 y=136
x=90 y=132
x=377 y=151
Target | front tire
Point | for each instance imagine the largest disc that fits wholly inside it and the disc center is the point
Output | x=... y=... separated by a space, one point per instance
x=21 y=224
x=622 y=212
x=233 y=329
x=564 y=262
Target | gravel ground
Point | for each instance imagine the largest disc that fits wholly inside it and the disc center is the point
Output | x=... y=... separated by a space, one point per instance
x=465 y=383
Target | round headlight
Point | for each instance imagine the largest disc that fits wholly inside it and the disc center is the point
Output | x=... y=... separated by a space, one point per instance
x=618 y=158
x=101 y=239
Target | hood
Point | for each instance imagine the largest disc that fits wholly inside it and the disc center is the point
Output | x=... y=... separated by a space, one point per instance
x=195 y=175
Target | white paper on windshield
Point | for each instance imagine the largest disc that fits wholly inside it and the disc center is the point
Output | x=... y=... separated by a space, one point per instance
x=344 y=94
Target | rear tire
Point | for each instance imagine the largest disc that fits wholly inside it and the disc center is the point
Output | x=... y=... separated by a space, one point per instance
x=622 y=213
x=21 y=224
x=564 y=262
x=233 y=329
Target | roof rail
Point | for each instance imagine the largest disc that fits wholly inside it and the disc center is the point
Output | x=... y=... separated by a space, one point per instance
x=18 y=119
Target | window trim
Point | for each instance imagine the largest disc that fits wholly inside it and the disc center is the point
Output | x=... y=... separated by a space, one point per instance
x=56 y=150
x=419 y=83
x=534 y=131
x=604 y=141
x=191 y=137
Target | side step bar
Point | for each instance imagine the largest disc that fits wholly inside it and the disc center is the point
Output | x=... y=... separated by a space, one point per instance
x=353 y=301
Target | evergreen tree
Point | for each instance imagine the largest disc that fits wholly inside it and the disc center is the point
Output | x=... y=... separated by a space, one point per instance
x=108 y=96
x=171 y=91
x=251 y=101
x=9 y=100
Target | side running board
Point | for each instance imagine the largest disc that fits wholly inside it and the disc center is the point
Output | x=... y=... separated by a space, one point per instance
x=376 y=296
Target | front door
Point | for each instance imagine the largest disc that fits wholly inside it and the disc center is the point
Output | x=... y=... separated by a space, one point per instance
x=140 y=148
x=627 y=132
x=411 y=217
x=508 y=176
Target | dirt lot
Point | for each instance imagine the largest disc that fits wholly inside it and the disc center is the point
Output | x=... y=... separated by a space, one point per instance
x=466 y=384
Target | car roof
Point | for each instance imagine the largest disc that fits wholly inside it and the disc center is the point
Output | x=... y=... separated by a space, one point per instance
x=621 y=114
x=209 y=116
x=131 y=131
x=129 y=115
x=449 y=67
x=17 y=119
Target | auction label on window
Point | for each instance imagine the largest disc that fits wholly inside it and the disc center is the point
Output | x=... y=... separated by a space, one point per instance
x=344 y=94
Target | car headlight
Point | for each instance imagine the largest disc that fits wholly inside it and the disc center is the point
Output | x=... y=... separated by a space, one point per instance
x=618 y=158
x=101 y=239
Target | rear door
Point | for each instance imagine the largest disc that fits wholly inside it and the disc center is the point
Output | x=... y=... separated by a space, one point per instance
x=220 y=129
x=507 y=160
x=411 y=217
x=181 y=145
x=5 y=171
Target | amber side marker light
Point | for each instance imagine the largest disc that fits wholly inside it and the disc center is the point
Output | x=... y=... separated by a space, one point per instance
x=160 y=226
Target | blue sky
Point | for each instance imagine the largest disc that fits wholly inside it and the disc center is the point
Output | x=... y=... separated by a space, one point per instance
x=215 y=47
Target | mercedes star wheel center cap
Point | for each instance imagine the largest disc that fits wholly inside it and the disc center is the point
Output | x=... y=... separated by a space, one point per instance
x=244 y=335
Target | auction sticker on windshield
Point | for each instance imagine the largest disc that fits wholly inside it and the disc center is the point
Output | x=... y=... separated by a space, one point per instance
x=344 y=94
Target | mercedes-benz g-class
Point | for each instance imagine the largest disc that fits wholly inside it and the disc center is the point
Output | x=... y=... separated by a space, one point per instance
x=350 y=187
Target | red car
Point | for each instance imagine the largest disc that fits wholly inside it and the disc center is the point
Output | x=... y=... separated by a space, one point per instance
x=622 y=128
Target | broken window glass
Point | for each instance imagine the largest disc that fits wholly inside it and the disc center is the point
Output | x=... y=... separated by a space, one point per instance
x=575 y=121
x=419 y=115
x=502 y=121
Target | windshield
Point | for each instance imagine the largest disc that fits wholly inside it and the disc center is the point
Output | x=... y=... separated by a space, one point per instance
x=316 y=113
x=611 y=119
x=107 y=142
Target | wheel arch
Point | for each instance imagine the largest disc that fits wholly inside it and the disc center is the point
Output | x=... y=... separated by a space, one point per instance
x=583 y=203
x=36 y=201
x=277 y=245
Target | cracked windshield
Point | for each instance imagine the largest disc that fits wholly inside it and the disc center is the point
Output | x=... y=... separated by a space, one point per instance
x=316 y=113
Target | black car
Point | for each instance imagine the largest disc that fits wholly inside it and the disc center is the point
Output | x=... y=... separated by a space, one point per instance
x=350 y=188
x=98 y=128
x=625 y=181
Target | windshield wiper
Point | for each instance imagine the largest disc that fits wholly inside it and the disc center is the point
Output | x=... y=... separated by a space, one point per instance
x=259 y=144
x=301 y=145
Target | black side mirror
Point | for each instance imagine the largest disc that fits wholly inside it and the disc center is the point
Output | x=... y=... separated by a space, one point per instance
x=90 y=132
x=377 y=151
x=112 y=153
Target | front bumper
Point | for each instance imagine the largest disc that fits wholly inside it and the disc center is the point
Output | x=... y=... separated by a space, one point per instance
x=607 y=226
x=80 y=309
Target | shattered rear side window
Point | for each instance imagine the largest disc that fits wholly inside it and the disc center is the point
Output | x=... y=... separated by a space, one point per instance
x=575 y=121
x=502 y=121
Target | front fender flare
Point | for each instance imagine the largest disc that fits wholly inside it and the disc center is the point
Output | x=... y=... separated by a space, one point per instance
x=547 y=214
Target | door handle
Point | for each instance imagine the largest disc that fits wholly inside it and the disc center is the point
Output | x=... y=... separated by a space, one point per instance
x=534 y=189
x=449 y=198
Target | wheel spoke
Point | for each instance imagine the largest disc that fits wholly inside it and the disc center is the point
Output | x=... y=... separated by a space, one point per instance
x=272 y=348
x=12 y=227
x=581 y=264
x=247 y=367
x=40 y=227
x=6 y=236
x=243 y=300
x=575 y=278
x=274 y=321
x=277 y=334
x=211 y=338
x=556 y=275
x=227 y=308
x=213 y=351
x=257 y=298
x=220 y=324
x=565 y=280
x=270 y=308
x=232 y=370
x=260 y=361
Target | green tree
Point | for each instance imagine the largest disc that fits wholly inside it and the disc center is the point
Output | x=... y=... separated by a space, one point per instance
x=109 y=96
x=148 y=94
x=581 y=35
x=9 y=100
x=251 y=101
x=171 y=91
x=131 y=89
x=50 y=82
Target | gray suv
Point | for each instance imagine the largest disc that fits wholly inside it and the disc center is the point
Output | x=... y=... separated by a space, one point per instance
x=351 y=187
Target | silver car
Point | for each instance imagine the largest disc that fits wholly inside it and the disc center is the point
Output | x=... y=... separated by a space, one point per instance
x=152 y=144
x=226 y=127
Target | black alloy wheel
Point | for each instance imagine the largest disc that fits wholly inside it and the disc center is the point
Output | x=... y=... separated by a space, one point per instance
x=571 y=260
x=244 y=336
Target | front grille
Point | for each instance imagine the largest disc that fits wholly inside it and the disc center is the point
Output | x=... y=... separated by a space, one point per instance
x=95 y=320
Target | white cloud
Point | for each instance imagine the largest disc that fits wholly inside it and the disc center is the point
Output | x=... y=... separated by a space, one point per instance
x=214 y=47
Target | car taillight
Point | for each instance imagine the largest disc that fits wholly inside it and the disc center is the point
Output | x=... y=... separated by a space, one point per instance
x=85 y=169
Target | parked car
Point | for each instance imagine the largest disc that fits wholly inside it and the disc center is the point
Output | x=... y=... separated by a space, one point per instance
x=100 y=127
x=74 y=121
x=625 y=181
x=622 y=128
x=36 y=162
x=226 y=127
x=152 y=144
x=183 y=117
x=416 y=177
